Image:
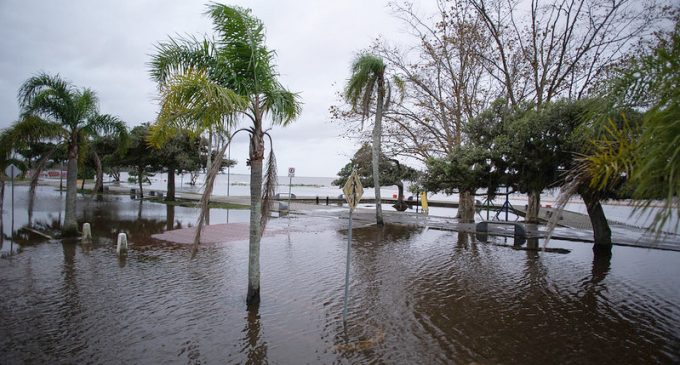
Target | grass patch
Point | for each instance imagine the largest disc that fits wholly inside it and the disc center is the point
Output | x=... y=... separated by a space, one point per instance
x=195 y=204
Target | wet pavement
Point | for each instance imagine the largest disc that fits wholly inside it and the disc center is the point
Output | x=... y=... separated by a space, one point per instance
x=572 y=226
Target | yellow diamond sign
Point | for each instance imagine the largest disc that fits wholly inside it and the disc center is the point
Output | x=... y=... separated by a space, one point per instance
x=353 y=190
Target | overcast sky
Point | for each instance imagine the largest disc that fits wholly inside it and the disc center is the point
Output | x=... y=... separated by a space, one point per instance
x=105 y=45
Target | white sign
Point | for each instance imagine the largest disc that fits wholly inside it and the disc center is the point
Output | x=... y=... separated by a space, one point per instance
x=353 y=190
x=12 y=171
x=291 y=172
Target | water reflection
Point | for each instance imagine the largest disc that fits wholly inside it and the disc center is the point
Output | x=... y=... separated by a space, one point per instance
x=252 y=344
x=594 y=287
x=70 y=307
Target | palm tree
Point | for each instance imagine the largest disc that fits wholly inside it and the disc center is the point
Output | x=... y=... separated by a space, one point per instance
x=368 y=74
x=237 y=62
x=638 y=157
x=54 y=109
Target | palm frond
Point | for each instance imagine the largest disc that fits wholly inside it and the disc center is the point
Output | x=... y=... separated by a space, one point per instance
x=194 y=97
x=205 y=198
x=367 y=71
x=109 y=125
x=269 y=189
x=86 y=105
x=657 y=173
x=28 y=130
x=611 y=161
x=50 y=105
x=180 y=55
x=248 y=63
x=283 y=106
x=236 y=24
x=575 y=179
x=38 y=83
x=161 y=132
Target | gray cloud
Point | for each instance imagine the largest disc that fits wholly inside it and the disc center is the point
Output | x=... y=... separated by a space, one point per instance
x=106 y=46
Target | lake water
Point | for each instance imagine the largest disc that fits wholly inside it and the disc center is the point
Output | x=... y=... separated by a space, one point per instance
x=417 y=296
x=239 y=185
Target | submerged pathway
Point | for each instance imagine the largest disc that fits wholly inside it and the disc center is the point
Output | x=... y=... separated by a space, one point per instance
x=622 y=235
x=573 y=226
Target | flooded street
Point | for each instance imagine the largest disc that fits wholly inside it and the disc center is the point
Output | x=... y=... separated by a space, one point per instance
x=417 y=295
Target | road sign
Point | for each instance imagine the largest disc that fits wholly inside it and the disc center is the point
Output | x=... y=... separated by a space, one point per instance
x=291 y=172
x=353 y=190
x=12 y=171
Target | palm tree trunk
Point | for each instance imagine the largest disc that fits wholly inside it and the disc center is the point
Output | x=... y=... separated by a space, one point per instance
x=256 y=159
x=534 y=205
x=2 y=196
x=99 y=179
x=61 y=176
x=70 y=227
x=377 y=132
x=602 y=234
x=208 y=161
x=170 y=196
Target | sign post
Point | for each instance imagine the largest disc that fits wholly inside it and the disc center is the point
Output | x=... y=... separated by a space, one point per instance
x=229 y=169
x=291 y=175
x=12 y=171
x=353 y=192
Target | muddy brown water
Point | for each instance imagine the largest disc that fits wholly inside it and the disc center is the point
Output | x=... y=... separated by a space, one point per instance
x=418 y=296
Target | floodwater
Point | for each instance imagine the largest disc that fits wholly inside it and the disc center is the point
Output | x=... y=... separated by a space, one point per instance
x=417 y=296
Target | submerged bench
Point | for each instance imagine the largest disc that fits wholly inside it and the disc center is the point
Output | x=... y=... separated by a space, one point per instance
x=519 y=228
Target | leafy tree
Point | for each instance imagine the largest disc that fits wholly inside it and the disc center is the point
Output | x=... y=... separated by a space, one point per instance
x=207 y=83
x=104 y=153
x=140 y=155
x=54 y=109
x=463 y=171
x=541 y=148
x=532 y=148
x=178 y=154
x=226 y=163
x=111 y=152
x=391 y=172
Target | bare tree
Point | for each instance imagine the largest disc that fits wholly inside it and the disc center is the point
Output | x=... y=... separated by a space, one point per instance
x=542 y=51
x=445 y=82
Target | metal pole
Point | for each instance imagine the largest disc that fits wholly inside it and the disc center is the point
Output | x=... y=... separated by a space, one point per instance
x=349 y=242
x=290 y=185
x=507 y=190
x=417 y=200
x=61 y=177
x=11 y=245
x=229 y=168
